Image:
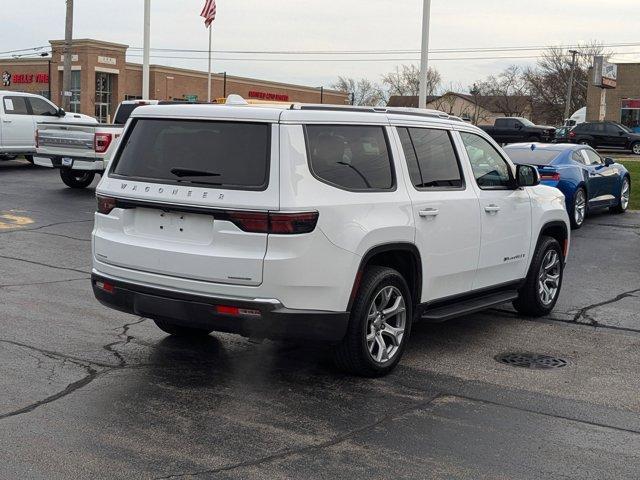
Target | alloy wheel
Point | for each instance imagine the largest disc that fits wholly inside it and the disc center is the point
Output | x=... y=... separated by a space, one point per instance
x=579 y=207
x=386 y=323
x=625 y=194
x=636 y=148
x=549 y=277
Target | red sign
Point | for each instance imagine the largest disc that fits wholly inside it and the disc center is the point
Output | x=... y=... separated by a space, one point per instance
x=631 y=103
x=269 y=96
x=30 y=77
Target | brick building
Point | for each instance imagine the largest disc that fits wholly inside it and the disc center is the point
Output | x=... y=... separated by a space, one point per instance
x=622 y=102
x=101 y=78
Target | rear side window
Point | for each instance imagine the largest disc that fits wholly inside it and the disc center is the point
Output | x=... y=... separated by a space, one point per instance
x=351 y=157
x=231 y=155
x=431 y=158
x=15 y=106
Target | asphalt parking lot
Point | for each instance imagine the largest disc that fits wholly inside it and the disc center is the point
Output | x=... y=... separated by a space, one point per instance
x=92 y=393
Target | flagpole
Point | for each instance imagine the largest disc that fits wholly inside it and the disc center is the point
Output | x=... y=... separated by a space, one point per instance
x=209 y=81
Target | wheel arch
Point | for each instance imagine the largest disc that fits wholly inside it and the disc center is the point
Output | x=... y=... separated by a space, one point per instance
x=401 y=256
x=557 y=230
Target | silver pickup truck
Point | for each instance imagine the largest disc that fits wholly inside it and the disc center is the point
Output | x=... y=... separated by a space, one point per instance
x=81 y=150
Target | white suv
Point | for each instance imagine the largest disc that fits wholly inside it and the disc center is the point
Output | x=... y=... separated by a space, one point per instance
x=313 y=222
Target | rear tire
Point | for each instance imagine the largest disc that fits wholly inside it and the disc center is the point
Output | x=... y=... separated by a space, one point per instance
x=181 y=331
x=77 y=178
x=635 y=148
x=578 y=211
x=541 y=289
x=623 y=199
x=375 y=341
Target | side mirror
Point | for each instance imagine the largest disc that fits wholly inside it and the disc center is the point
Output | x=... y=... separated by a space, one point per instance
x=620 y=132
x=608 y=161
x=518 y=126
x=61 y=112
x=527 y=176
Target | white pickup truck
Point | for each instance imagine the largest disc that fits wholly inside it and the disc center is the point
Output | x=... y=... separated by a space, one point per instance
x=19 y=115
x=81 y=150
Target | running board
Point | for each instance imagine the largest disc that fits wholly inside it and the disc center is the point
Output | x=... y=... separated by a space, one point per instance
x=465 y=307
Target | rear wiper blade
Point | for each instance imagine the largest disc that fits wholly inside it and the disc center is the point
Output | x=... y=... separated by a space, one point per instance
x=185 y=172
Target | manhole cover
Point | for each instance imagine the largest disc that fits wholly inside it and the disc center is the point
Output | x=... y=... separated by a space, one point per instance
x=531 y=360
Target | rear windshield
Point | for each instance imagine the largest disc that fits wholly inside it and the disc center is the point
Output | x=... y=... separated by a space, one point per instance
x=230 y=155
x=124 y=112
x=527 y=156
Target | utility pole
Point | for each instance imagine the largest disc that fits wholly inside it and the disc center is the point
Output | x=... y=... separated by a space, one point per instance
x=424 y=56
x=66 y=72
x=146 y=48
x=567 y=105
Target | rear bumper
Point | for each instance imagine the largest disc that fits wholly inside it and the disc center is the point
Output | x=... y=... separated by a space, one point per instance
x=274 y=321
x=79 y=163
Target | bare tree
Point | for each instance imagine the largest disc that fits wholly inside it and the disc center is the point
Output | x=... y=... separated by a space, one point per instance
x=508 y=92
x=548 y=81
x=363 y=91
x=405 y=81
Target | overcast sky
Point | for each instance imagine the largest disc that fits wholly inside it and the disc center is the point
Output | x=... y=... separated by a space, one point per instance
x=331 y=25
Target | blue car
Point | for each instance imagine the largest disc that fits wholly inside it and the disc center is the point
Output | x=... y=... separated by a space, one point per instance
x=587 y=180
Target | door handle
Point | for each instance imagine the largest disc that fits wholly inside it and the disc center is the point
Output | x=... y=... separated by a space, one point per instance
x=492 y=208
x=429 y=212
x=6 y=121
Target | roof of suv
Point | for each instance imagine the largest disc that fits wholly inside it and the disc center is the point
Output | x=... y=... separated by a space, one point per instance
x=291 y=112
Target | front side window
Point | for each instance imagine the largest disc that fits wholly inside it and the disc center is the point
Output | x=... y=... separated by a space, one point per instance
x=351 y=157
x=592 y=157
x=577 y=156
x=232 y=155
x=15 y=106
x=42 y=107
x=490 y=170
x=431 y=158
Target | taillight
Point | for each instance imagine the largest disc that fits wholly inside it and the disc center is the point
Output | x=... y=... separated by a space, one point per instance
x=275 y=223
x=555 y=176
x=572 y=134
x=37 y=139
x=105 y=204
x=101 y=142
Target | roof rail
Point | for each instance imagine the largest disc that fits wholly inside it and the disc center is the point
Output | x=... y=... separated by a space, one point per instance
x=397 y=111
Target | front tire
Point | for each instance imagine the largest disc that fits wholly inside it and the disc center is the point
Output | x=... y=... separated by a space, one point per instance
x=379 y=325
x=635 y=148
x=181 y=331
x=579 y=208
x=623 y=199
x=541 y=289
x=76 y=178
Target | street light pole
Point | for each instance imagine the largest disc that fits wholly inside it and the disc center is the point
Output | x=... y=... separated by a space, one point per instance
x=567 y=105
x=146 y=48
x=66 y=69
x=424 y=56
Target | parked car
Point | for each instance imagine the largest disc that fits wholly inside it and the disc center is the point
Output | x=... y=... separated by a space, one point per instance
x=606 y=135
x=562 y=135
x=81 y=150
x=517 y=129
x=339 y=224
x=19 y=115
x=587 y=180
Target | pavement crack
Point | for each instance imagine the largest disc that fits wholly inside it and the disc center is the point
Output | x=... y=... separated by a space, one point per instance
x=317 y=446
x=583 y=312
x=90 y=367
x=17 y=230
x=43 y=283
x=33 y=262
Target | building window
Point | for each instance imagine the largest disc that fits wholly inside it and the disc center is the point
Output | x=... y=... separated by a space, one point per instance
x=75 y=91
x=104 y=84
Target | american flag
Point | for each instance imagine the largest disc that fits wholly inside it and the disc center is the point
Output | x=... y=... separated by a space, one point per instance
x=209 y=12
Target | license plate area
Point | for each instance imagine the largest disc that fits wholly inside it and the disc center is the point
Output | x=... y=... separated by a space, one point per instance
x=67 y=162
x=173 y=226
